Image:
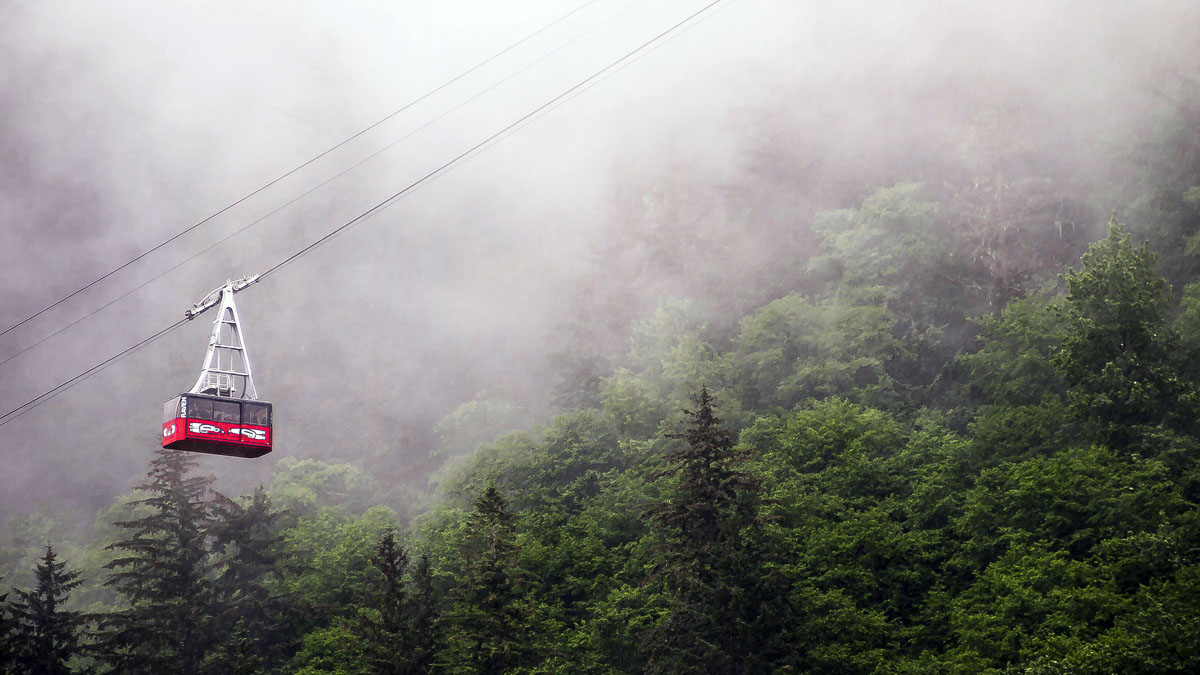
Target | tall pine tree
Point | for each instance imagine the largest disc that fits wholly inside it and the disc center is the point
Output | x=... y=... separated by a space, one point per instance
x=485 y=623
x=6 y=627
x=256 y=622
x=422 y=605
x=45 y=636
x=396 y=631
x=722 y=616
x=165 y=574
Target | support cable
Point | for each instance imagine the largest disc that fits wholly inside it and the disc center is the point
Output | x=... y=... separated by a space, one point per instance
x=340 y=144
x=55 y=391
x=487 y=141
x=583 y=84
x=315 y=188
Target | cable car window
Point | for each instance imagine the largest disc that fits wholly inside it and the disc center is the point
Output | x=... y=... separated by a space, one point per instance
x=226 y=411
x=200 y=408
x=171 y=409
x=256 y=413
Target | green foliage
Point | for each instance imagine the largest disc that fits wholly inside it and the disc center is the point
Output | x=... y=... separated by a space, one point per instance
x=1027 y=606
x=672 y=352
x=1187 y=323
x=1072 y=501
x=561 y=464
x=795 y=349
x=632 y=403
x=257 y=619
x=1118 y=357
x=327 y=556
x=1069 y=547
x=1014 y=365
x=1156 y=633
x=300 y=486
x=421 y=613
x=23 y=541
x=334 y=650
x=824 y=438
x=6 y=642
x=901 y=250
x=1001 y=433
x=487 y=622
x=45 y=635
x=901 y=242
x=165 y=575
x=483 y=418
x=895 y=231
x=396 y=632
x=721 y=610
x=860 y=502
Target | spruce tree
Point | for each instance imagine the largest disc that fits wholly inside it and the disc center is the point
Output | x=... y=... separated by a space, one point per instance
x=255 y=622
x=6 y=627
x=423 y=610
x=384 y=634
x=396 y=634
x=485 y=624
x=45 y=636
x=722 y=615
x=165 y=575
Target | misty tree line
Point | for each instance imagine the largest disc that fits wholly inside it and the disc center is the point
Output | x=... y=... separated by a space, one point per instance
x=960 y=437
x=1055 y=531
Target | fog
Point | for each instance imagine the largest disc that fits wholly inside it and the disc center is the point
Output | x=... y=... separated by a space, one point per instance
x=123 y=123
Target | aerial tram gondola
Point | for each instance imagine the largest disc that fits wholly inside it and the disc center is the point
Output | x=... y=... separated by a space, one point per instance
x=221 y=414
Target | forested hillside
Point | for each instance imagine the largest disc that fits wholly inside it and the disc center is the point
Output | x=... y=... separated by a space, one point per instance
x=940 y=415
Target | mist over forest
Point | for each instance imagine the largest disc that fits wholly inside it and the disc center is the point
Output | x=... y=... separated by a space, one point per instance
x=935 y=263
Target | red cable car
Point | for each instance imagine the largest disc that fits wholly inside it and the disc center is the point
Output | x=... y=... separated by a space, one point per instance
x=221 y=415
x=217 y=425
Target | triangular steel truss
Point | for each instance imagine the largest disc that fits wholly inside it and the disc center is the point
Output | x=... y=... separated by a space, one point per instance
x=226 y=370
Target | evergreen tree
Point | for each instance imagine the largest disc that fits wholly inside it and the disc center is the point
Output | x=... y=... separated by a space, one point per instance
x=257 y=627
x=722 y=616
x=485 y=625
x=46 y=636
x=6 y=627
x=165 y=575
x=396 y=632
x=423 y=612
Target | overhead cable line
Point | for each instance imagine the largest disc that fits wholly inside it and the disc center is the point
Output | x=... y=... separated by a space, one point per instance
x=389 y=201
x=487 y=141
x=315 y=188
x=55 y=391
x=340 y=144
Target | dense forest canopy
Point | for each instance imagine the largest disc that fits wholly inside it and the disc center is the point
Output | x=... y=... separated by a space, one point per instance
x=922 y=402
